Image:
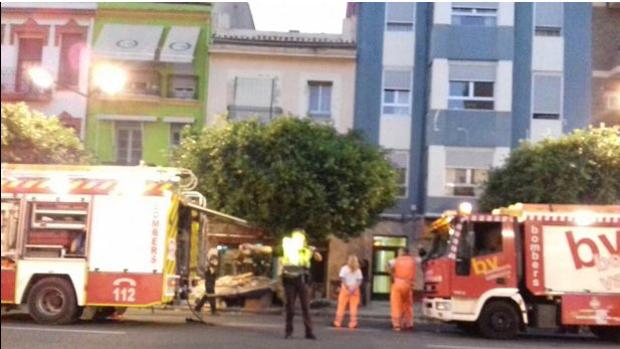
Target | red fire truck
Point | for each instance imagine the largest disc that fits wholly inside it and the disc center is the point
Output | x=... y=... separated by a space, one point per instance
x=97 y=238
x=536 y=266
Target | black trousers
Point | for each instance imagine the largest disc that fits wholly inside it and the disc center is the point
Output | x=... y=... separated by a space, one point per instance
x=209 y=289
x=294 y=287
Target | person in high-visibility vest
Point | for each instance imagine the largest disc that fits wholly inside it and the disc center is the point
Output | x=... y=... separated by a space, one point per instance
x=295 y=266
x=401 y=295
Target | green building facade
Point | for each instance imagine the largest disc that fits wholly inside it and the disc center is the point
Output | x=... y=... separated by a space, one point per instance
x=162 y=49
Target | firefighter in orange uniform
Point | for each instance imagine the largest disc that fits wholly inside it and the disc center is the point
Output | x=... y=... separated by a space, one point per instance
x=401 y=296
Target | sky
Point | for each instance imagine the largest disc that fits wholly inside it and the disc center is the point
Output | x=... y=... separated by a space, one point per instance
x=318 y=16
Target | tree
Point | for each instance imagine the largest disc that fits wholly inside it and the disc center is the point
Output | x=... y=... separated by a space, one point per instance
x=30 y=137
x=579 y=168
x=291 y=173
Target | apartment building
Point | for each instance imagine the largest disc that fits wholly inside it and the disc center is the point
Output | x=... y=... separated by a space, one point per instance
x=161 y=50
x=606 y=63
x=449 y=88
x=269 y=74
x=55 y=37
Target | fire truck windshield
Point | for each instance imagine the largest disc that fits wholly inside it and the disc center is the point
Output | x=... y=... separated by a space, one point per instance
x=439 y=247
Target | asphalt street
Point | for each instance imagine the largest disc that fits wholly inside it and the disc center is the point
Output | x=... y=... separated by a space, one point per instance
x=257 y=331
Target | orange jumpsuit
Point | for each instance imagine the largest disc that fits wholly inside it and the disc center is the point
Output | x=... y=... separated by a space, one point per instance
x=401 y=296
x=353 y=300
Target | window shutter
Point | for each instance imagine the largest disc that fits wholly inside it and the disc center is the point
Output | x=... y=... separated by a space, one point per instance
x=466 y=71
x=397 y=79
x=469 y=158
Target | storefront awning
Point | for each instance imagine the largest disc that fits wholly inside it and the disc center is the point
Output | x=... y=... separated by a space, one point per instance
x=128 y=42
x=180 y=45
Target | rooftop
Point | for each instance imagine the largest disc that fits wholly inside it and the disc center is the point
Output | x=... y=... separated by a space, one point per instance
x=288 y=39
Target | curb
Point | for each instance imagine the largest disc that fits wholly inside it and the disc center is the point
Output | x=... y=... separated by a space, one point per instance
x=185 y=312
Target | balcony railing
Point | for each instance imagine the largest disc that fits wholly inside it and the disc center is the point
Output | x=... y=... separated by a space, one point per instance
x=15 y=89
x=243 y=112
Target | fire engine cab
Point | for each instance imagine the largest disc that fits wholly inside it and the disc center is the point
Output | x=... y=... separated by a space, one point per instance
x=537 y=266
x=101 y=238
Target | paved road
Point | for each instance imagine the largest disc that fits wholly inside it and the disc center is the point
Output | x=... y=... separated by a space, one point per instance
x=255 y=331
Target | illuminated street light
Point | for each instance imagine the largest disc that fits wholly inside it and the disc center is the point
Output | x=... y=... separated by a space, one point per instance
x=41 y=77
x=465 y=208
x=109 y=78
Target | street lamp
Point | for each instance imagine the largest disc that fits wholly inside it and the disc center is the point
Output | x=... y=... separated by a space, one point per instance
x=40 y=77
x=108 y=78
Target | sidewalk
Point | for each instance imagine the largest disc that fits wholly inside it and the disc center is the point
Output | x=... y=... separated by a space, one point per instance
x=377 y=310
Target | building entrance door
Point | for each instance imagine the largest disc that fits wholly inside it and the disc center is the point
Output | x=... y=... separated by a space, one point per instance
x=385 y=249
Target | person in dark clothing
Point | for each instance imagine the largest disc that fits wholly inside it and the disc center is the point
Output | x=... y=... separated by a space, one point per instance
x=210 y=277
x=295 y=265
x=364 y=268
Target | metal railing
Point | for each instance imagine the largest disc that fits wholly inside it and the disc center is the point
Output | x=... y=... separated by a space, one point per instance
x=13 y=83
x=244 y=112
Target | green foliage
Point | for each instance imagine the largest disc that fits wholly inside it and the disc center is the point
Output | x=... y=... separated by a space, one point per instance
x=291 y=173
x=29 y=137
x=580 y=168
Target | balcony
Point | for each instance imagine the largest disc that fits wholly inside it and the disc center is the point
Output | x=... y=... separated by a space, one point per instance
x=16 y=88
x=242 y=112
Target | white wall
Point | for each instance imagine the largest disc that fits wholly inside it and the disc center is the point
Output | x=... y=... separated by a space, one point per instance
x=548 y=53
x=541 y=129
x=439 y=84
x=500 y=155
x=398 y=48
x=506 y=14
x=436 y=177
x=442 y=13
x=503 y=86
x=395 y=132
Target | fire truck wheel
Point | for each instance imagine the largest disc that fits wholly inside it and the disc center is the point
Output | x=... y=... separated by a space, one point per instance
x=498 y=320
x=52 y=301
x=608 y=333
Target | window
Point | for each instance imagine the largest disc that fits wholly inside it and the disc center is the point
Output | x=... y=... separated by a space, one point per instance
x=183 y=87
x=469 y=14
x=399 y=16
x=29 y=56
x=400 y=161
x=57 y=229
x=548 y=19
x=128 y=143
x=471 y=95
x=143 y=82
x=487 y=238
x=396 y=92
x=480 y=239
x=546 y=96
x=465 y=181
x=613 y=102
x=254 y=97
x=70 y=52
x=176 y=130
x=320 y=98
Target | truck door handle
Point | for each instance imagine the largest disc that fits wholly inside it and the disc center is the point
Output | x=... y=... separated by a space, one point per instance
x=500 y=281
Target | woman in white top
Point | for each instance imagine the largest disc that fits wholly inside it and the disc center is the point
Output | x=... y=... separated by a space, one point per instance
x=351 y=278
